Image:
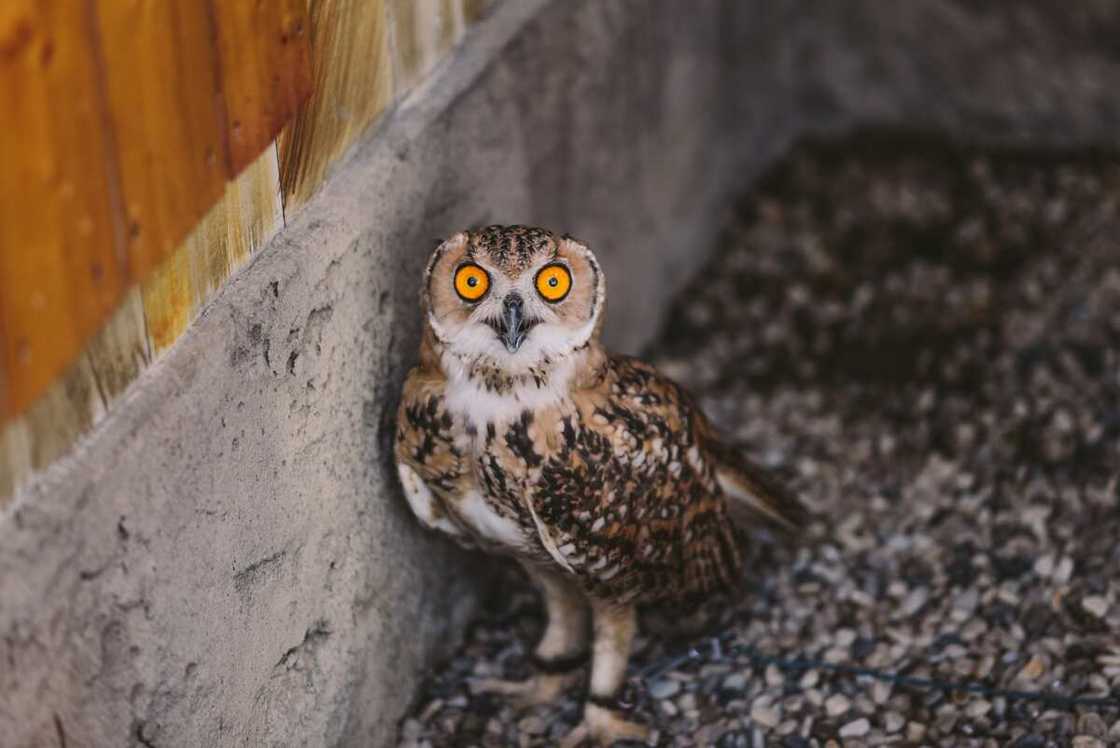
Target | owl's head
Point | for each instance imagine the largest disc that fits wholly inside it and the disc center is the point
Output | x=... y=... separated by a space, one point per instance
x=516 y=297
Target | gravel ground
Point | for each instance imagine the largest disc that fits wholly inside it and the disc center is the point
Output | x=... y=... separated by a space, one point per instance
x=925 y=341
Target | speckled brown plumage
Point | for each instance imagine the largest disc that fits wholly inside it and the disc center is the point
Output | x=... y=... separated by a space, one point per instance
x=616 y=476
x=518 y=433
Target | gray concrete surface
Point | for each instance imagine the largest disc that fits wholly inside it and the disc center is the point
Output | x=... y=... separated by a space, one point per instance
x=226 y=560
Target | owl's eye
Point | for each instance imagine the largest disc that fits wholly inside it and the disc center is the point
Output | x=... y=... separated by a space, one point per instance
x=471 y=282
x=554 y=282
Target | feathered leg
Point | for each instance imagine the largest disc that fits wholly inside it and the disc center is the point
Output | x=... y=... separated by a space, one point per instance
x=561 y=650
x=603 y=723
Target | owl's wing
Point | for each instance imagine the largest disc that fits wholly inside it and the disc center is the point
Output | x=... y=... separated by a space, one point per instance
x=627 y=501
x=751 y=490
x=425 y=452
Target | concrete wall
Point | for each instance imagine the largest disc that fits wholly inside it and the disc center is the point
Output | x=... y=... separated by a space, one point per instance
x=226 y=560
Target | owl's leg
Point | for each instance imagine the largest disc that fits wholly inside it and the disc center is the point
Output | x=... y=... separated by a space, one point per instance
x=561 y=651
x=603 y=723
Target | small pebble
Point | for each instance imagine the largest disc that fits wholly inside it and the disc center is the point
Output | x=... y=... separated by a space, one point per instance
x=856 y=729
x=532 y=725
x=893 y=722
x=914 y=602
x=1114 y=732
x=664 y=689
x=1064 y=570
x=1034 y=668
x=1096 y=605
x=735 y=682
x=1091 y=723
x=410 y=730
x=1088 y=741
x=766 y=716
x=837 y=705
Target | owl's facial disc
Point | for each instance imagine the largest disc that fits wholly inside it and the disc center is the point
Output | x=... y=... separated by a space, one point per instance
x=515 y=298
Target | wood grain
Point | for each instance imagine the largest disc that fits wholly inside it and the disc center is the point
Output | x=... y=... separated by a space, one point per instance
x=120 y=350
x=116 y=145
x=62 y=267
x=352 y=84
x=15 y=457
x=423 y=31
x=124 y=121
x=161 y=73
x=48 y=428
x=246 y=217
x=474 y=10
x=265 y=66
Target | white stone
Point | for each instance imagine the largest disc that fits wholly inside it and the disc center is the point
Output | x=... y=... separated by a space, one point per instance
x=1095 y=604
x=1087 y=741
x=856 y=729
x=735 y=682
x=764 y=715
x=836 y=705
x=664 y=689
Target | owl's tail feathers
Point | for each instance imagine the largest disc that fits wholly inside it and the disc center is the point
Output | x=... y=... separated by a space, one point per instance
x=753 y=492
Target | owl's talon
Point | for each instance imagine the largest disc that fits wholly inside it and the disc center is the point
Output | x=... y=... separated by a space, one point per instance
x=542 y=688
x=604 y=727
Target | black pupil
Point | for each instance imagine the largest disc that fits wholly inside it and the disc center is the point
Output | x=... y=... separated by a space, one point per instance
x=554 y=281
x=472 y=281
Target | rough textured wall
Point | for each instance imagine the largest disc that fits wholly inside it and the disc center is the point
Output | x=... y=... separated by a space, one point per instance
x=226 y=560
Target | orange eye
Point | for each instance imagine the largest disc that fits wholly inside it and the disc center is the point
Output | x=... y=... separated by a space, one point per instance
x=554 y=282
x=471 y=282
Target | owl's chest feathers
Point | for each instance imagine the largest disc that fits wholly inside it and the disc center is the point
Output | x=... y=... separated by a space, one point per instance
x=504 y=430
x=482 y=397
x=498 y=427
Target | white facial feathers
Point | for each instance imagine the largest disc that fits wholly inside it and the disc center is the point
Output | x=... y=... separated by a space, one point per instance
x=469 y=330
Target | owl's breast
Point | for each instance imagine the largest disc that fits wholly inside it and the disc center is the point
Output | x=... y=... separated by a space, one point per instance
x=513 y=456
x=513 y=459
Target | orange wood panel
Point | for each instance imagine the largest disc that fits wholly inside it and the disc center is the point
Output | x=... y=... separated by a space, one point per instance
x=161 y=70
x=475 y=9
x=352 y=75
x=423 y=32
x=265 y=68
x=62 y=266
x=169 y=300
x=115 y=145
x=246 y=217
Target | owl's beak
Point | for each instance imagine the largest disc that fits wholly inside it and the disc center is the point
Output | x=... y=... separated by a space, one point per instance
x=513 y=324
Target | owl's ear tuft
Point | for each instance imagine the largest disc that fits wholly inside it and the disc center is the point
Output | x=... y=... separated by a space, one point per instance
x=455 y=242
x=574 y=243
x=574 y=247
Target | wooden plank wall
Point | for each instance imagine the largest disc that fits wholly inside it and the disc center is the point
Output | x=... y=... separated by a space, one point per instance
x=128 y=120
x=149 y=149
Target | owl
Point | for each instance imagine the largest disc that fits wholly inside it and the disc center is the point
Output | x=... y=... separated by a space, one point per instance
x=519 y=434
